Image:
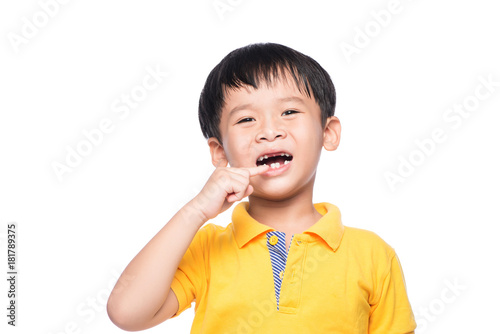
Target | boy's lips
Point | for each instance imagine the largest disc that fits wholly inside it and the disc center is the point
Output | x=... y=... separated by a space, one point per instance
x=278 y=170
x=279 y=161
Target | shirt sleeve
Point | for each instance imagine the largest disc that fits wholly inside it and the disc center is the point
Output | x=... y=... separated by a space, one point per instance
x=392 y=313
x=191 y=275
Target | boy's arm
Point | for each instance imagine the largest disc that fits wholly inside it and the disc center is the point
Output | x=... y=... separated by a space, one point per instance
x=142 y=297
x=392 y=313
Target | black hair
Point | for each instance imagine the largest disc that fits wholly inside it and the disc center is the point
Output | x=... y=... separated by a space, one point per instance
x=263 y=61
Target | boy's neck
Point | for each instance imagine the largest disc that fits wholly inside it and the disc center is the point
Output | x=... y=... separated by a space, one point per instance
x=293 y=215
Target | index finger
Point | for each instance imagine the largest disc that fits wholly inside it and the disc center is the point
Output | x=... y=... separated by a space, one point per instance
x=257 y=170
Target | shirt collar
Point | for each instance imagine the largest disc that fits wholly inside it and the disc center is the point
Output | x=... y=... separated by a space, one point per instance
x=329 y=227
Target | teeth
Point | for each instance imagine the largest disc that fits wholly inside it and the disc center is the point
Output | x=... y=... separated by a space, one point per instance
x=277 y=164
x=265 y=156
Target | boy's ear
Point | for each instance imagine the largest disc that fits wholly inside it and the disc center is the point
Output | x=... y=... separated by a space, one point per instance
x=331 y=133
x=217 y=152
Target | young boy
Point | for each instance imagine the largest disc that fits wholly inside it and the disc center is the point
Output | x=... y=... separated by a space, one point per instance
x=284 y=264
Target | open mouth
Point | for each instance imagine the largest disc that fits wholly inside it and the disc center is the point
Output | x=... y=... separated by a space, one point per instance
x=275 y=160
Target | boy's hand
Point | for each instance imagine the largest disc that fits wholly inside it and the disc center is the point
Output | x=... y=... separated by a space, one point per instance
x=225 y=186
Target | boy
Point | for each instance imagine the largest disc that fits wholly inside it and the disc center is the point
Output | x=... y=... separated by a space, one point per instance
x=283 y=264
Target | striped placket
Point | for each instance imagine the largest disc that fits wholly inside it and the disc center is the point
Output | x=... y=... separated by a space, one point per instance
x=279 y=254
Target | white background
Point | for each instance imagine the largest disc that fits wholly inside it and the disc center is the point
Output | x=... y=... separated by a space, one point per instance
x=77 y=234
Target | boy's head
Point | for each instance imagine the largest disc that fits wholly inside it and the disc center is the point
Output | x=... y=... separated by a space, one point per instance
x=269 y=104
x=258 y=64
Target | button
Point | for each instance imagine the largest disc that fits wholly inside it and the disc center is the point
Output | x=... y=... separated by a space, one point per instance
x=298 y=242
x=282 y=273
x=273 y=240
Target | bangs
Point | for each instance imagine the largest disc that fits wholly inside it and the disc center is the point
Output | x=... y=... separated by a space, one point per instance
x=255 y=72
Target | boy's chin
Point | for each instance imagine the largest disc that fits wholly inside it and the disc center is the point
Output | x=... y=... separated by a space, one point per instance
x=275 y=195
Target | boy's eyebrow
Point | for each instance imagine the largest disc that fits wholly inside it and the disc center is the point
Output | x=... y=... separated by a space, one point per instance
x=238 y=108
x=249 y=105
x=292 y=99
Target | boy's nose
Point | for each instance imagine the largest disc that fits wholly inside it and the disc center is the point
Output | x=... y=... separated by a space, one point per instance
x=270 y=133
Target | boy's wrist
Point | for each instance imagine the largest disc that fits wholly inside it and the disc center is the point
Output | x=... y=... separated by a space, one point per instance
x=193 y=213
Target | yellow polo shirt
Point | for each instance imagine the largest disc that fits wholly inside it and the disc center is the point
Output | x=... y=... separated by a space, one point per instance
x=337 y=279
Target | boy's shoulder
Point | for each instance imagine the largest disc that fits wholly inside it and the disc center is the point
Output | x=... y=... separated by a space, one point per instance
x=366 y=241
x=210 y=231
x=367 y=235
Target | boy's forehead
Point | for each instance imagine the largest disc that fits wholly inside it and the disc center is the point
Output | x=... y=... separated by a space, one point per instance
x=285 y=88
x=281 y=77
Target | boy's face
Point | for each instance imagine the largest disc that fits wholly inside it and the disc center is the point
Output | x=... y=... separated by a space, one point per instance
x=276 y=119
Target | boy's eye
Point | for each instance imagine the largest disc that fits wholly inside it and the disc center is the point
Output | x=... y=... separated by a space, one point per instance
x=244 y=120
x=291 y=111
x=249 y=119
